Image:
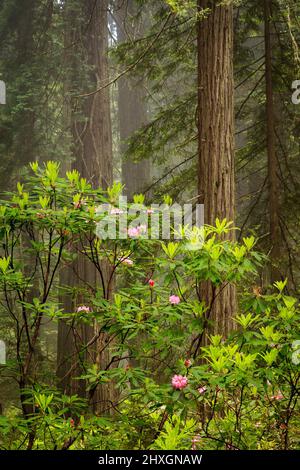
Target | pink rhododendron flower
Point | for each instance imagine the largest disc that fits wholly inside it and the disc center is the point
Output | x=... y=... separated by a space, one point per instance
x=179 y=382
x=150 y=211
x=174 y=299
x=195 y=440
x=127 y=261
x=279 y=396
x=230 y=447
x=202 y=390
x=133 y=232
x=187 y=363
x=83 y=308
x=151 y=283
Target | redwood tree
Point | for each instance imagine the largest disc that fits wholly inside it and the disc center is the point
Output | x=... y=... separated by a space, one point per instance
x=132 y=108
x=216 y=138
x=92 y=149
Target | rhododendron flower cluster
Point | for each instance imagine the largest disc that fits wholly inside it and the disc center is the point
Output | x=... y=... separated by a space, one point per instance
x=179 y=382
x=127 y=261
x=279 y=396
x=135 y=232
x=174 y=299
x=83 y=309
x=151 y=283
x=195 y=440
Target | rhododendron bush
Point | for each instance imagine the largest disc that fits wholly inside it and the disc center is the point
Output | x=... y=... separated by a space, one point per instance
x=172 y=391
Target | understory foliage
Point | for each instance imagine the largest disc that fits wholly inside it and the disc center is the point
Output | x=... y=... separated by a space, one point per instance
x=179 y=384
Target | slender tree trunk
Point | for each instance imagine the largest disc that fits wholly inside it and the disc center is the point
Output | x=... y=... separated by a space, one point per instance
x=216 y=139
x=24 y=153
x=132 y=107
x=65 y=340
x=273 y=166
x=132 y=116
x=94 y=161
x=92 y=138
x=92 y=149
x=24 y=147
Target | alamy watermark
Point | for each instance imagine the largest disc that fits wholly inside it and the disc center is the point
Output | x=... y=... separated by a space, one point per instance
x=296 y=93
x=296 y=352
x=2 y=92
x=2 y=352
x=160 y=221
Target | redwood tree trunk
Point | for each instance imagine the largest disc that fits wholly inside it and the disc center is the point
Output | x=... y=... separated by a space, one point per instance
x=92 y=138
x=132 y=107
x=92 y=149
x=216 y=139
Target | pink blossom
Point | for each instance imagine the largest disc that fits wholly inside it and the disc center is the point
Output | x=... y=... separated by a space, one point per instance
x=83 y=308
x=195 y=440
x=174 y=299
x=179 y=382
x=202 y=390
x=230 y=447
x=187 y=363
x=133 y=232
x=151 y=283
x=127 y=261
x=150 y=211
x=279 y=396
